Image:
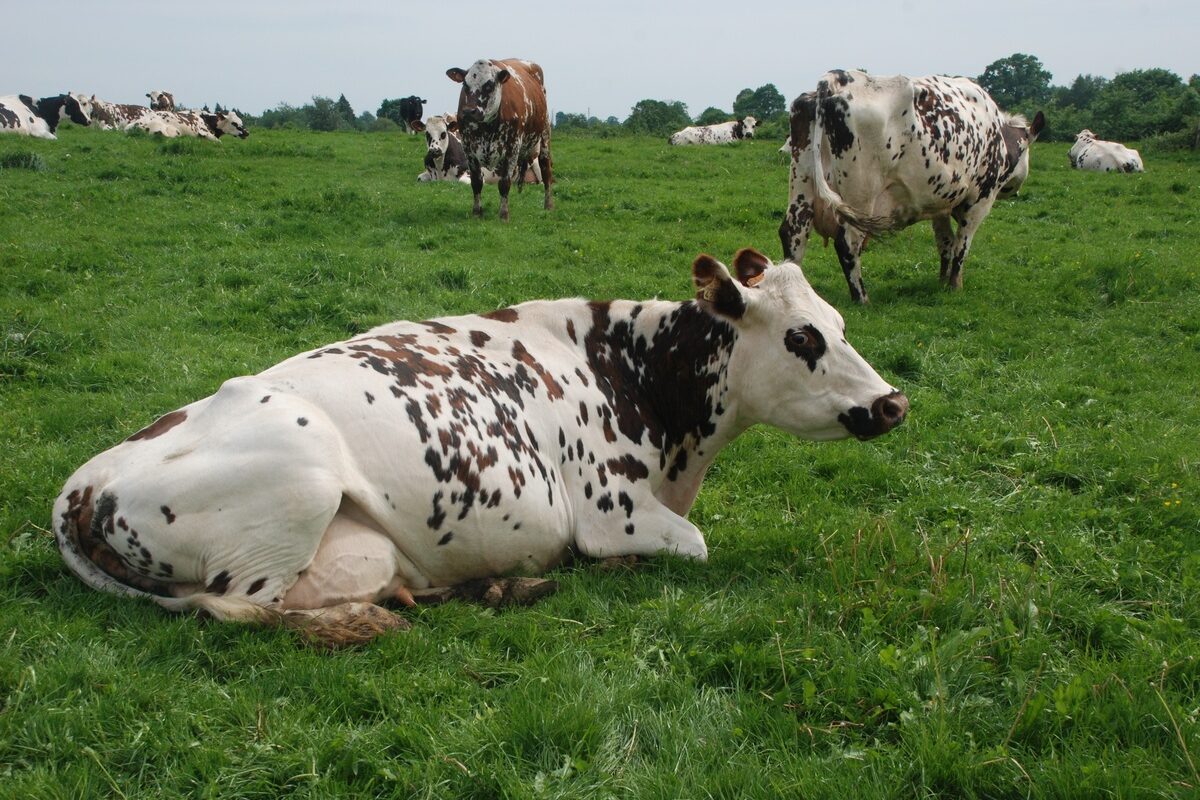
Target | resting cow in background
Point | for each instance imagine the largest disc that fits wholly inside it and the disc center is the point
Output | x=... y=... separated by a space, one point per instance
x=721 y=133
x=445 y=158
x=412 y=108
x=874 y=154
x=504 y=124
x=423 y=455
x=23 y=115
x=1097 y=155
x=161 y=101
x=201 y=124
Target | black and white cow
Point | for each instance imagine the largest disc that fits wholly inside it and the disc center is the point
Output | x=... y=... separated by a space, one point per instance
x=23 y=115
x=504 y=123
x=1097 y=155
x=161 y=101
x=422 y=455
x=412 y=108
x=872 y=154
x=445 y=158
x=721 y=133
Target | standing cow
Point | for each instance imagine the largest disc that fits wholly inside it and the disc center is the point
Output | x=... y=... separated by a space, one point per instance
x=1097 y=155
x=874 y=154
x=422 y=455
x=23 y=115
x=412 y=108
x=504 y=124
x=721 y=133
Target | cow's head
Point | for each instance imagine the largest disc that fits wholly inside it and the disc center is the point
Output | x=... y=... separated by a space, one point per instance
x=479 y=100
x=438 y=131
x=748 y=126
x=1085 y=136
x=161 y=101
x=59 y=108
x=796 y=370
x=1018 y=136
x=86 y=103
x=226 y=122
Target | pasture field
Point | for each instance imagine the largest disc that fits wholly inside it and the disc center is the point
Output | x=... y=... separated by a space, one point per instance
x=1001 y=598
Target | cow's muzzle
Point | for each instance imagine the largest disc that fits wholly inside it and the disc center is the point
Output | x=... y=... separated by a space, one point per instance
x=885 y=413
x=471 y=114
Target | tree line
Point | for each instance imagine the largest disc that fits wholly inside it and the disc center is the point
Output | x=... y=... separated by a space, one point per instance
x=1132 y=105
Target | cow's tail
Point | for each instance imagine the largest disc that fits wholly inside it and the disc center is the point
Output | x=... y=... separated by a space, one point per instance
x=80 y=523
x=875 y=226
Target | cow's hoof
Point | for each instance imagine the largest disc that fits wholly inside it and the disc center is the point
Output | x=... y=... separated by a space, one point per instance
x=344 y=625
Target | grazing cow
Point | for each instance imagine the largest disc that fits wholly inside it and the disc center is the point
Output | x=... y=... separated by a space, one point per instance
x=412 y=108
x=445 y=158
x=161 y=101
x=422 y=455
x=23 y=115
x=504 y=124
x=872 y=154
x=1097 y=155
x=721 y=133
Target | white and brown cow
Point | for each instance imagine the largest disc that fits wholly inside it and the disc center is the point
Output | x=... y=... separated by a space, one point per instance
x=21 y=114
x=872 y=154
x=202 y=124
x=445 y=158
x=160 y=100
x=504 y=124
x=1097 y=155
x=721 y=133
x=422 y=455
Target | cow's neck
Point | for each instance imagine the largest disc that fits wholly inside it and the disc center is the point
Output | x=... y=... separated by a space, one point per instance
x=665 y=370
x=48 y=109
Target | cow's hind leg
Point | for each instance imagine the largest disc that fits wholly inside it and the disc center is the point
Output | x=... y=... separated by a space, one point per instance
x=545 y=167
x=943 y=236
x=969 y=221
x=848 y=243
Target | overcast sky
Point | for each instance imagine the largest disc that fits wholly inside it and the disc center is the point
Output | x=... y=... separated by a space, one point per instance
x=600 y=57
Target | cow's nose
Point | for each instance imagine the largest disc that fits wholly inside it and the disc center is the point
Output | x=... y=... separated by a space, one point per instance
x=889 y=410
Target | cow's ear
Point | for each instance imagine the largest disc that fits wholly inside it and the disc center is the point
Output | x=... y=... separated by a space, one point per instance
x=749 y=264
x=1039 y=122
x=502 y=76
x=416 y=125
x=451 y=122
x=716 y=290
x=455 y=74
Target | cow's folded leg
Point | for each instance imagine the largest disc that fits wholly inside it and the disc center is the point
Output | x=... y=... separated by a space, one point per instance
x=638 y=525
x=492 y=592
x=343 y=625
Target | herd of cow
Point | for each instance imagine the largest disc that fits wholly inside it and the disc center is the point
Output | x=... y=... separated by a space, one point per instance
x=22 y=114
x=424 y=460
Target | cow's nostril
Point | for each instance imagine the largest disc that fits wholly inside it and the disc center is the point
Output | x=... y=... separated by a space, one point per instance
x=890 y=409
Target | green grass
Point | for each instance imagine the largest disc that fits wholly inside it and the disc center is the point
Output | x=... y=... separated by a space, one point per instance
x=998 y=599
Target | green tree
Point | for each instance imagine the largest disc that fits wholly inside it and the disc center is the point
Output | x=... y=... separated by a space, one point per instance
x=762 y=103
x=1082 y=92
x=345 y=111
x=657 y=117
x=324 y=115
x=1016 y=81
x=712 y=115
x=390 y=109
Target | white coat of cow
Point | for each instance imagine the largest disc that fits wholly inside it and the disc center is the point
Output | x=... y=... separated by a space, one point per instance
x=21 y=114
x=427 y=454
x=1097 y=155
x=873 y=154
x=721 y=133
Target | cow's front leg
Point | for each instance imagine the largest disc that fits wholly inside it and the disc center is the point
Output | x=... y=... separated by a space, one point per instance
x=545 y=167
x=635 y=524
x=476 y=171
x=848 y=243
x=794 y=230
x=943 y=235
x=505 y=185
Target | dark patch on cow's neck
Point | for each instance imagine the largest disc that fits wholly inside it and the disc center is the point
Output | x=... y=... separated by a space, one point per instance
x=455 y=156
x=48 y=109
x=739 y=130
x=1014 y=146
x=667 y=387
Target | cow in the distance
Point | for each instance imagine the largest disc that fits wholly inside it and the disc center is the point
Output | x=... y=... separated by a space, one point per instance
x=1097 y=155
x=21 y=114
x=504 y=124
x=161 y=101
x=445 y=158
x=412 y=108
x=721 y=133
x=201 y=124
x=875 y=154
x=116 y=116
x=424 y=455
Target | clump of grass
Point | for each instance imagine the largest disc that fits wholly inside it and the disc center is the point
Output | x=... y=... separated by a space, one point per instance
x=23 y=160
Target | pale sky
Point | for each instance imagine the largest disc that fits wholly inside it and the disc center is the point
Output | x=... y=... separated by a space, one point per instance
x=599 y=57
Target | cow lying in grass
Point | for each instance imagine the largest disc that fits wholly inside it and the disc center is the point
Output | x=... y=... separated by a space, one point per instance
x=1097 y=155
x=23 y=115
x=424 y=455
x=445 y=158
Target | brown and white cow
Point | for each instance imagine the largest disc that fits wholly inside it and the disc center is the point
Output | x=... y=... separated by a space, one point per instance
x=1097 y=155
x=721 y=133
x=445 y=158
x=23 y=115
x=504 y=124
x=201 y=124
x=872 y=154
x=161 y=101
x=422 y=455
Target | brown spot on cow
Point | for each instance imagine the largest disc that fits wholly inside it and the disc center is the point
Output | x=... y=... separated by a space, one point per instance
x=167 y=513
x=553 y=389
x=159 y=426
x=479 y=338
x=503 y=315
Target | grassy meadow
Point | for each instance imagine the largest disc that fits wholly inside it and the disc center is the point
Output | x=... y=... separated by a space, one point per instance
x=999 y=599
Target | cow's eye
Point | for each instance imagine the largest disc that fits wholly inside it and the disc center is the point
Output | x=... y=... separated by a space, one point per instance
x=798 y=338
